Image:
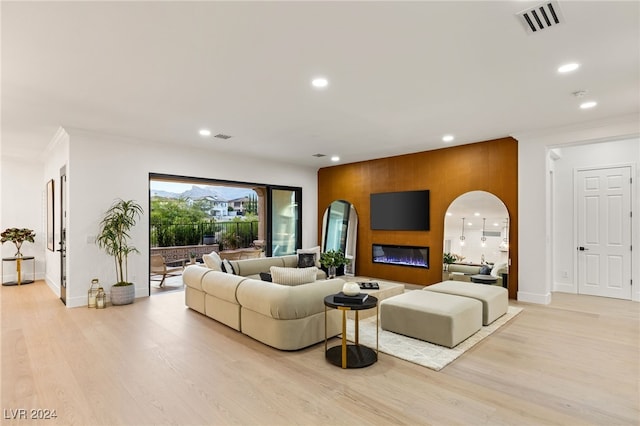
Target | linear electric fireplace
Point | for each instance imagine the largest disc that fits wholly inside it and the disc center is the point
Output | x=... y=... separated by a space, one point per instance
x=401 y=255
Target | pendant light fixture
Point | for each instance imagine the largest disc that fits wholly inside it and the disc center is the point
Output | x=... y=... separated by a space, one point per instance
x=462 y=235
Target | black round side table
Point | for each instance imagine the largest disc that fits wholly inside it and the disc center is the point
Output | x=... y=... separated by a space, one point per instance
x=350 y=355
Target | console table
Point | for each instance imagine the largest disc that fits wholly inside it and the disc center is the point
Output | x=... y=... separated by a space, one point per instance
x=356 y=355
x=19 y=263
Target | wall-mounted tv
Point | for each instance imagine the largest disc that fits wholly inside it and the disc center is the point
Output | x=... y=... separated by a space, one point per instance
x=400 y=211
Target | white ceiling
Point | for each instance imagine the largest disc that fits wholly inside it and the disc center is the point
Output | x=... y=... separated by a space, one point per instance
x=402 y=74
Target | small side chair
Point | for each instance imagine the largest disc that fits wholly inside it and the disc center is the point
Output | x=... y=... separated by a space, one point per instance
x=159 y=268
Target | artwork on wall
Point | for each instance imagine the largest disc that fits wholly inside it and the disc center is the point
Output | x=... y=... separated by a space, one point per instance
x=50 y=215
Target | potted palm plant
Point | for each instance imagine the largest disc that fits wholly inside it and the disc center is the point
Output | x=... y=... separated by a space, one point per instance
x=332 y=260
x=114 y=238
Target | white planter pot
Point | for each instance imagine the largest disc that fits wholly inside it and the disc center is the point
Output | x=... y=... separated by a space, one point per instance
x=123 y=295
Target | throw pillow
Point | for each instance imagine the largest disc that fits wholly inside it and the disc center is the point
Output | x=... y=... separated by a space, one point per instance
x=306 y=260
x=265 y=276
x=498 y=269
x=228 y=267
x=213 y=261
x=316 y=252
x=293 y=276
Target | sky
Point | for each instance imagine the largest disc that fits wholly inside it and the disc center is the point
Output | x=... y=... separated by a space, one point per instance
x=178 y=188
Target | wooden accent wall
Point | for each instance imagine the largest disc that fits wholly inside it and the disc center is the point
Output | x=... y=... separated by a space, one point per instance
x=490 y=166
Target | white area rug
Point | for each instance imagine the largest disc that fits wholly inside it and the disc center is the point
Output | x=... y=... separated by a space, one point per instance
x=417 y=351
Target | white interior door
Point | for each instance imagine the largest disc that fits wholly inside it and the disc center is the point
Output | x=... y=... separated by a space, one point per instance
x=604 y=232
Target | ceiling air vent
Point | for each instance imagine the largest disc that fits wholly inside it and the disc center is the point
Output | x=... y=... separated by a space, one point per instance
x=540 y=17
x=319 y=155
x=222 y=136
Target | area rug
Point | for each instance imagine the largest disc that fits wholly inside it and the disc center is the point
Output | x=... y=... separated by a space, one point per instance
x=417 y=351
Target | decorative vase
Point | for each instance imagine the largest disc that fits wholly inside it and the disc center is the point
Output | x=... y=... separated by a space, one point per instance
x=18 y=246
x=123 y=294
x=331 y=272
x=351 y=288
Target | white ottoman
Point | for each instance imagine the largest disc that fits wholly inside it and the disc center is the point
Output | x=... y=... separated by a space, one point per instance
x=495 y=300
x=438 y=318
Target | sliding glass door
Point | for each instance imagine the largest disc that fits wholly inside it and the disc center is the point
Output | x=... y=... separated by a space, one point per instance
x=284 y=229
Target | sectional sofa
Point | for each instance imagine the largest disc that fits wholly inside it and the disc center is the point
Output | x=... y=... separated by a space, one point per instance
x=463 y=272
x=286 y=317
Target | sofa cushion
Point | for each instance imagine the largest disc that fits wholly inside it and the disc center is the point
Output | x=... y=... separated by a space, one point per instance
x=285 y=302
x=227 y=267
x=222 y=285
x=266 y=276
x=192 y=276
x=498 y=269
x=213 y=261
x=306 y=260
x=313 y=250
x=464 y=268
x=293 y=276
x=246 y=267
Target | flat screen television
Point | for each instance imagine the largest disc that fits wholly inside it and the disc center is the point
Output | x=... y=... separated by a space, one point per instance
x=400 y=211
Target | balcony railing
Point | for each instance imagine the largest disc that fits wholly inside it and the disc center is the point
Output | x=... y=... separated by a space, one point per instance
x=228 y=235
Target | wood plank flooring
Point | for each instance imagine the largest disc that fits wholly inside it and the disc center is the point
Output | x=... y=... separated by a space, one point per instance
x=575 y=362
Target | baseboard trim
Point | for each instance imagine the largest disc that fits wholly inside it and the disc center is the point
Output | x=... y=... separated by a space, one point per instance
x=564 y=288
x=540 y=299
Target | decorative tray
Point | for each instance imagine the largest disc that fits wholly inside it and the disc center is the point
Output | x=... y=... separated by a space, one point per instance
x=369 y=285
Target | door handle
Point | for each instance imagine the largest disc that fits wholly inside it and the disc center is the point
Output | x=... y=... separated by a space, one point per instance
x=583 y=249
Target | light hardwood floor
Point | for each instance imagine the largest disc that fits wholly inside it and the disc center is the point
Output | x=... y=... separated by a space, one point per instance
x=575 y=362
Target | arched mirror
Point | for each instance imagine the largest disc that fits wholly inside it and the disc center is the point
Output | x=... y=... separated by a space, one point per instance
x=476 y=239
x=340 y=230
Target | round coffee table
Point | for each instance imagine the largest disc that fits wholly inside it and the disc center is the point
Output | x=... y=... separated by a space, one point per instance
x=350 y=355
x=484 y=279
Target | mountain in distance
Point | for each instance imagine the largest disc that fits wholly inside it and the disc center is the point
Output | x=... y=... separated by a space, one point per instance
x=163 y=194
x=225 y=193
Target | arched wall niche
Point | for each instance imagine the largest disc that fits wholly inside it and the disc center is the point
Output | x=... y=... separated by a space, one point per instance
x=476 y=230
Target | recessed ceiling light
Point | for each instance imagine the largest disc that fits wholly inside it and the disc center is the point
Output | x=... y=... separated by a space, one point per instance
x=335 y=158
x=588 y=104
x=449 y=214
x=205 y=132
x=319 y=82
x=476 y=214
x=568 y=67
x=447 y=138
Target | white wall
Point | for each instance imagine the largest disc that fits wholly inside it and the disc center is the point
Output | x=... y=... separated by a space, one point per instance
x=102 y=168
x=534 y=203
x=56 y=156
x=614 y=153
x=23 y=206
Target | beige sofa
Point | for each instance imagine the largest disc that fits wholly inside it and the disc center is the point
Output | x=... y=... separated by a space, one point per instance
x=282 y=316
x=463 y=272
